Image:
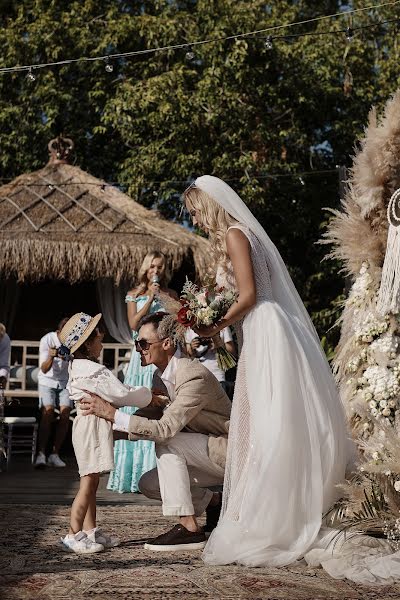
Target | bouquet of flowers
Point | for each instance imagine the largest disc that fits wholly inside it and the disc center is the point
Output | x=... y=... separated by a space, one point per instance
x=205 y=306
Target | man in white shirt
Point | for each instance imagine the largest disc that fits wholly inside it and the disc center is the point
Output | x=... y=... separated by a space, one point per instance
x=5 y=345
x=205 y=350
x=190 y=434
x=52 y=380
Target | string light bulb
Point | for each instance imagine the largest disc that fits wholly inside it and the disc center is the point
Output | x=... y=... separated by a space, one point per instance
x=301 y=180
x=190 y=54
x=30 y=75
x=268 y=43
x=109 y=66
x=241 y=35
x=349 y=34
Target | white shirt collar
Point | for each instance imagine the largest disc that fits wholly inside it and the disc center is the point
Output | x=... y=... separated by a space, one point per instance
x=169 y=374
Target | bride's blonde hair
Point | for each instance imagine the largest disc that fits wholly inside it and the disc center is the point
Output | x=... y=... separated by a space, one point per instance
x=214 y=218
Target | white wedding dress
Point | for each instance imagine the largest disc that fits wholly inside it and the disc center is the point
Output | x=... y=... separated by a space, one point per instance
x=288 y=445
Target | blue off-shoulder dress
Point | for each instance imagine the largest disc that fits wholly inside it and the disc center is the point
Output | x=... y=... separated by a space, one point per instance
x=133 y=459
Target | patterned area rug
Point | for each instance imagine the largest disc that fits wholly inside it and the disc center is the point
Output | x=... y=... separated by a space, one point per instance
x=34 y=566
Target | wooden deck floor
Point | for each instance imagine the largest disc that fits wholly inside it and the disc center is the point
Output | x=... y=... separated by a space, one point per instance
x=23 y=484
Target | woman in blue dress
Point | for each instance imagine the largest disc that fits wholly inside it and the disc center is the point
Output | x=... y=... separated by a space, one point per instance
x=133 y=459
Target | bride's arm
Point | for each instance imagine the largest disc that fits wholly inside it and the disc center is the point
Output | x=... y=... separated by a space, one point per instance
x=239 y=252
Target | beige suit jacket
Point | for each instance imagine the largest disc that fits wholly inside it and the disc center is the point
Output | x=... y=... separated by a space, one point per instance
x=200 y=406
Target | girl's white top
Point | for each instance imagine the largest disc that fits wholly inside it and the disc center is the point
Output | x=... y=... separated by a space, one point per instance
x=86 y=375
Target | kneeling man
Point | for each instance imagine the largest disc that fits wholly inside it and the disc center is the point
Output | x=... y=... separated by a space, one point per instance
x=190 y=433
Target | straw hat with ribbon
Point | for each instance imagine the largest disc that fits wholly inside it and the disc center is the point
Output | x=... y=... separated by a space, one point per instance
x=76 y=331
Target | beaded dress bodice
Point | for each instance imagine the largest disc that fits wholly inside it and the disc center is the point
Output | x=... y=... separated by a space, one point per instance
x=261 y=275
x=261 y=268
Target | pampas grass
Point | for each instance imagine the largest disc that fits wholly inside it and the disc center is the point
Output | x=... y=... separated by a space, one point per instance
x=358 y=235
x=359 y=231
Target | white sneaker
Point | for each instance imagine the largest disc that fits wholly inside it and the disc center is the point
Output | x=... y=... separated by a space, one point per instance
x=99 y=536
x=80 y=544
x=40 y=461
x=55 y=461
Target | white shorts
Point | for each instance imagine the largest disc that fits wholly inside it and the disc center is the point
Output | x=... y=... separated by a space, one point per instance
x=54 y=396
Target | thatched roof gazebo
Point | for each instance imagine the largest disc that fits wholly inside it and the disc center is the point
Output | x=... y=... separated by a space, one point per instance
x=62 y=223
x=62 y=228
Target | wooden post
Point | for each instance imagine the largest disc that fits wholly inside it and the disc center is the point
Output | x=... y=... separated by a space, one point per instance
x=2 y=450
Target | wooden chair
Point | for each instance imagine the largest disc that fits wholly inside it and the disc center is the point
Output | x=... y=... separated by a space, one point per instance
x=17 y=437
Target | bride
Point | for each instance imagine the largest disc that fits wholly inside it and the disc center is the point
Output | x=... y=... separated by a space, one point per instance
x=288 y=445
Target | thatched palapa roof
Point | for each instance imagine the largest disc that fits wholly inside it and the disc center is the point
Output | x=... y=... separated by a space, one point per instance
x=62 y=223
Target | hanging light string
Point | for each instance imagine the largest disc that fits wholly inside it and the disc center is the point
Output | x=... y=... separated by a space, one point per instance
x=184 y=182
x=349 y=31
x=191 y=45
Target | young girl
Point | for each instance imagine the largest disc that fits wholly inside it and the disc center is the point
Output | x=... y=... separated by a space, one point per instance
x=92 y=438
x=133 y=459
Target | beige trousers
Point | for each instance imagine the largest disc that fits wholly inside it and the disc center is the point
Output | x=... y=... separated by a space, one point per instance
x=183 y=474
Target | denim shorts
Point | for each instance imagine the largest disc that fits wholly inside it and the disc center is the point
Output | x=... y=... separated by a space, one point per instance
x=53 y=396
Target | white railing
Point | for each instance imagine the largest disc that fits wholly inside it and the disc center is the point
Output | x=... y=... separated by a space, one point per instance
x=24 y=365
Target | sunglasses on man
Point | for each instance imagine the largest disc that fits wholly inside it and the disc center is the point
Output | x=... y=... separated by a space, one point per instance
x=145 y=345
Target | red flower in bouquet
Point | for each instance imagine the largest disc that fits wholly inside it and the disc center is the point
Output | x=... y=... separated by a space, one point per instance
x=183 y=317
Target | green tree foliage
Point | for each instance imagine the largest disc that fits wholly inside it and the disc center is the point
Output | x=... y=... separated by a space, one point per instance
x=237 y=110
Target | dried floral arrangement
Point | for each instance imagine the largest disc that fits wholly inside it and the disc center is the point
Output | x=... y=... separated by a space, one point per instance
x=367 y=362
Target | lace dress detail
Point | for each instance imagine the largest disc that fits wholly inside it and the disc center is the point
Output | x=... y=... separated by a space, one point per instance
x=261 y=275
x=240 y=419
x=260 y=267
x=98 y=377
